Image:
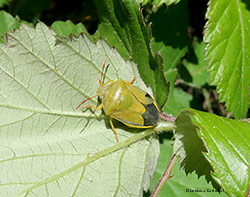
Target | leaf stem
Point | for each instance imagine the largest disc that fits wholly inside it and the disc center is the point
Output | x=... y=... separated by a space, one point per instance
x=167 y=117
x=166 y=175
x=248 y=190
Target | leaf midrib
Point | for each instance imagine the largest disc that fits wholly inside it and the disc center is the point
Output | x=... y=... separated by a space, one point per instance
x=90 y=159
x=54 y=112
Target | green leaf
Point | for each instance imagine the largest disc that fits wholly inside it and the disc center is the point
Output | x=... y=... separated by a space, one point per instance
x=170 y=36
x=48 y=148
x=177 y=101
x=7 y=23
x=228 y=52
x=67 y=28
x=180 y=184
x=217 y=147
x=107 y=32
x=170 y=39
x=129 y=34
x=158 y=3
x=195 y=69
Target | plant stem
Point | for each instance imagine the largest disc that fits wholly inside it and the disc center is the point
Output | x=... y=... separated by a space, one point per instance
x=248 y=190
x=166 y=117
x=166 y=175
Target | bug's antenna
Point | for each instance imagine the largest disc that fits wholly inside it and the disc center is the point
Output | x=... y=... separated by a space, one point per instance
x=103 y=66
x=86 y=100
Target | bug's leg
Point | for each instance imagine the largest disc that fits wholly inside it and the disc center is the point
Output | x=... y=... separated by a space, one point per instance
x=86 y=100
x=93 y=107
x=132 y=80
x=109 y=81
x=113 y=128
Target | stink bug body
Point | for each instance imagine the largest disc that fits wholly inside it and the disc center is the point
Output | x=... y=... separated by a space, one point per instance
x=126 y=103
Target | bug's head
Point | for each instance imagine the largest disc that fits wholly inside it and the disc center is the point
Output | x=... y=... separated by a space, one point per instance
x=101 y=91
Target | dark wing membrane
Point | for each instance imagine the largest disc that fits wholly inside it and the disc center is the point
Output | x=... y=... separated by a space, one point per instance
x=151 y=115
